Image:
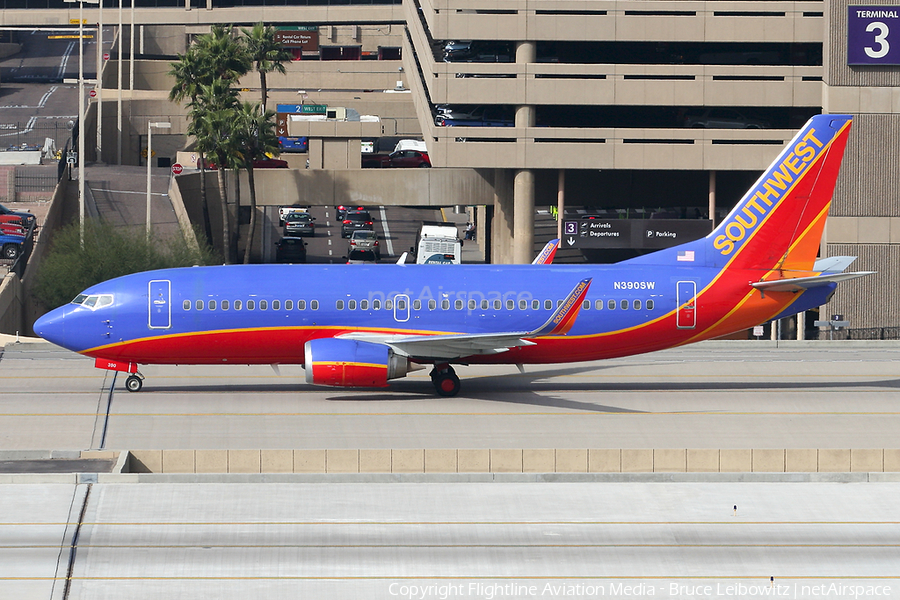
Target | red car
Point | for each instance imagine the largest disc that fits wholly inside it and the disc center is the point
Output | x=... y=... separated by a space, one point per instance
x=12 y=229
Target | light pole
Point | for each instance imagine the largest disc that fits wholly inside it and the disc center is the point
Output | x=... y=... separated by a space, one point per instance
x=81 y=113
x=150 y=126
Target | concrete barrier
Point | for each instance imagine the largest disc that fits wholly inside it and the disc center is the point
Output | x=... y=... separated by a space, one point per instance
x=509 y=460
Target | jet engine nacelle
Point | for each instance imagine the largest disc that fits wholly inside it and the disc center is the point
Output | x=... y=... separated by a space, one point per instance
x=350 y=363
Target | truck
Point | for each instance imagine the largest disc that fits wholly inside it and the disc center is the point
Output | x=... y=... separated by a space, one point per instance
x=438 y=243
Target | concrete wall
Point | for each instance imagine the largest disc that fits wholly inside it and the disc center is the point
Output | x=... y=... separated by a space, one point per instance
x=505 y=460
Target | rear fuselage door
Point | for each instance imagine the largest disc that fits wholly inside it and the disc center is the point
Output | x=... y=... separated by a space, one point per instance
x=686 y=317
x=160 y=301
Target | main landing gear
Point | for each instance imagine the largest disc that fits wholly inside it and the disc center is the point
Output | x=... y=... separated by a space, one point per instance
x=445 y=381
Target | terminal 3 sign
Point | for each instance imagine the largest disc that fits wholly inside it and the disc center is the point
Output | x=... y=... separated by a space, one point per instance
x=873 y=35
x=592 y=232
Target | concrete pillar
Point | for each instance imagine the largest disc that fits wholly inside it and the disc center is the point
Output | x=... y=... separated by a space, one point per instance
x=801 y=325
x=523 y=231
x=502 y=223
x=526 y=52
x=712 y=197
x=560 y=202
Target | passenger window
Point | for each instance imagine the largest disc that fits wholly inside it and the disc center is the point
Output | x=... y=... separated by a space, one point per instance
x=445 y=305
x=548 y=304
x=497 y=305
x=432 y=305
x=363 y=305
x=251 y=304
x=598 y=304
x=301 y=304
x=276 y=304
x=472 y=305
x=586 y=305
x=510 y=305
x=339 y=305
x=288 y=305
x=186 y=305
x=649 y=304
x=224 y=304
x=458 y=305
x=388 y=305
x=198 y=304
x=314 y=304
x=263 y=304
x=523 y=304
x=237 y=305
x=376 y=304
x=484 y=305
x=401 y=304
x=624 y=304
x=211 y=305
x=558 y=303
x=636 y=305
x=611 y=304
x=417 y=304
x=351 y=305
x=535 y=304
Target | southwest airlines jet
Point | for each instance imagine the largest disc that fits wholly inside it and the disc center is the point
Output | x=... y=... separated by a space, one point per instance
x=360 y=326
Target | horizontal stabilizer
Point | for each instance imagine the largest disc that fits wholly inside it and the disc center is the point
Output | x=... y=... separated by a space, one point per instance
x=804 y=283
x=833 y=264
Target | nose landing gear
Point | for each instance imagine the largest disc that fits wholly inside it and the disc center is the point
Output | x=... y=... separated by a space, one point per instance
x=445 y=381
x=134 y=383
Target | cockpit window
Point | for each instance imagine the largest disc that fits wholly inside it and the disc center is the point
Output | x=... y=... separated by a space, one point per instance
x=95 y=301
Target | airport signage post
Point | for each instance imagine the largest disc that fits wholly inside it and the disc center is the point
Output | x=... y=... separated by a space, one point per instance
x=591 y=232
x=873 y=35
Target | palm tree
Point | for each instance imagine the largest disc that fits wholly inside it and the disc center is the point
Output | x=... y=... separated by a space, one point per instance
x=186 y=72
x=266 y=53
x=212 y=117
x=256 y=138
x=225 y=56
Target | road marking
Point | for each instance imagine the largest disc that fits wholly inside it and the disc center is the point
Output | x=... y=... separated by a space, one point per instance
x=329 y=242
x=387 y=233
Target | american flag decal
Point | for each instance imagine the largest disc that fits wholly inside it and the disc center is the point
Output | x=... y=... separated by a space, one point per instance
x=686 y=256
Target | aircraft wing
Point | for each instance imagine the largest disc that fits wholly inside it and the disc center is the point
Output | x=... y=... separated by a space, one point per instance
x=802 y=283
x=456 y=345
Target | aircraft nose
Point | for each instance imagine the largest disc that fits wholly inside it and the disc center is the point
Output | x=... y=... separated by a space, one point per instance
x=51 y=326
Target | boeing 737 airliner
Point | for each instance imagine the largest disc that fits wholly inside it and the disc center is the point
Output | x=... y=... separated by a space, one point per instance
x=360 y=326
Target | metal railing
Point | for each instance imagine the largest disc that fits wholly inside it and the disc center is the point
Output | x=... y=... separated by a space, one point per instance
x=18 y=265
x=861 y=333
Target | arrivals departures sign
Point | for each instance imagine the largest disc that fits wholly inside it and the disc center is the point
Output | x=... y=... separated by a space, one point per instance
x=591 y=232
x=873 y=35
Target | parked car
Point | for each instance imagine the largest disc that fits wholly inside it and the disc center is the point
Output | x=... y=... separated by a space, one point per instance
x=398 y=159
x=364 y=239
x=290 y=249
x=722 y=118
x=7 y=215
x=355 y=220
x=10 y=245
x=477 y=51
x=299 y=223
x=479 y=116
x=12 y=229
x=293 y=144
x=361 y=257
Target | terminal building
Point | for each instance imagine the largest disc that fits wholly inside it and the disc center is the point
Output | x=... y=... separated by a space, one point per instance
x=635 y=110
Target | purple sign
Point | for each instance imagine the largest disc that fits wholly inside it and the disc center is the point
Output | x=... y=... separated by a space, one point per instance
x=873 y=35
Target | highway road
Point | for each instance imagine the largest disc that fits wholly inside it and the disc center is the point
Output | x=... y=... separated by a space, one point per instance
x=713 y=395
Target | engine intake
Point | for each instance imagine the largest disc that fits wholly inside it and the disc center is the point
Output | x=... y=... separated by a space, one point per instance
x=350 y=363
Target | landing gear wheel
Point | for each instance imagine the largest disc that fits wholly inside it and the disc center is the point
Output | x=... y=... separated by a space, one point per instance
x=134 y=383
x=445 y=381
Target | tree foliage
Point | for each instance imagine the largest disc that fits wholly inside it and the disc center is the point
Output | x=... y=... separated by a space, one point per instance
x=108 y=252
x=205 y=76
